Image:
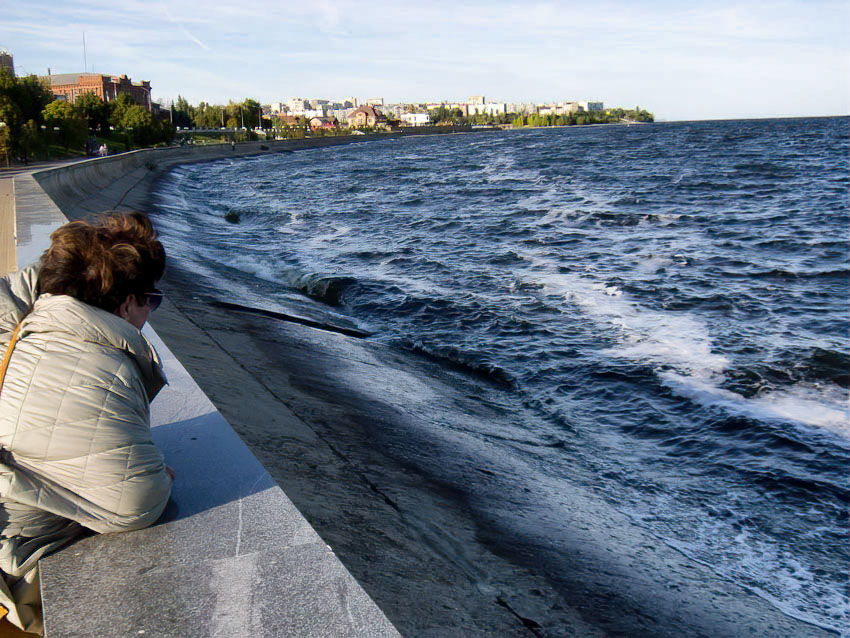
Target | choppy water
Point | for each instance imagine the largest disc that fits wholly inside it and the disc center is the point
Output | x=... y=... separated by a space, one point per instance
x=666 y=305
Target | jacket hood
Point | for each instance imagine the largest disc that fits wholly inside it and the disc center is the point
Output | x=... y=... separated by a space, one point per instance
x=65 y=315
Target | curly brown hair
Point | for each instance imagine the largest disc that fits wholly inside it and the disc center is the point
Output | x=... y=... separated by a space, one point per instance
x=103 y=262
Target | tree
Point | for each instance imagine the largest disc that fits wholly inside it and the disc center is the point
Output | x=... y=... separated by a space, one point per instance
x=31 y=96
x=32 y=141
x=181 y=112
x=96 y=112
x=142 y=129
x=251 y=111
x=67 y=123
x=22 y=101
x=5 y=144
x=118 y=107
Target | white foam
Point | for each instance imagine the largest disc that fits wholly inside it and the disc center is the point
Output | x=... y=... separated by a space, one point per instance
x=766 y=569
x=681 y=347
x=251 y=266
x=653 y=262
x=670 y=339
x=818 y=406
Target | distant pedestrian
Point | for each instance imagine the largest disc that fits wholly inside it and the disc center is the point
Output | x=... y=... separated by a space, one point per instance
x=232 y=145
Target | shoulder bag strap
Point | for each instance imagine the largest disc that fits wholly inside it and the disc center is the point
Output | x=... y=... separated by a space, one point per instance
x=8 y=355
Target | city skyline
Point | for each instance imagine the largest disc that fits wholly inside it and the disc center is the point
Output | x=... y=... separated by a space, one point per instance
x=706 y=61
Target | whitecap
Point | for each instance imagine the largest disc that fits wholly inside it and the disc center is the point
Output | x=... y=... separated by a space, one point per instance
x=817 y=406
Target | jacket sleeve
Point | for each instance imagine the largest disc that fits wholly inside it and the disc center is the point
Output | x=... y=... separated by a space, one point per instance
x=94 y=462
x=17 y=296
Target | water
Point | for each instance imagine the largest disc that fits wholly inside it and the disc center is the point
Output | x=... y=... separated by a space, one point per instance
x=664 y=305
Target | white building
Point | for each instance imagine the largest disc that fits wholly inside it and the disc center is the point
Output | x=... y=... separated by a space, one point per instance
x=492 y=108
x=297 y=104
x=416 y=119
x=342 y=114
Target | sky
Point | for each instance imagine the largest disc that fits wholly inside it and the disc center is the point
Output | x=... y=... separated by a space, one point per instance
x=680 y=60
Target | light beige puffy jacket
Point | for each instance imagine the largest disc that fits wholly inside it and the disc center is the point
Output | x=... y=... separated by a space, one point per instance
x=75 y=433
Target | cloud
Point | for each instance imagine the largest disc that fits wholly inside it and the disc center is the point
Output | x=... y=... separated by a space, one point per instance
x=183 y=29
x=668 y=56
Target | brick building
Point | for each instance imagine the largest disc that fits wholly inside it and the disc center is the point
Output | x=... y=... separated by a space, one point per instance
x=69 y=86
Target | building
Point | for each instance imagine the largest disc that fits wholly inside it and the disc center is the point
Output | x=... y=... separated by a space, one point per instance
x=476 y=99
x=491 y=108
x=463 y=108
x=591 y=106
x=70 y=86
x=297 y=104
x=375 y=101
x=324 y=123
x=367 y=116
x=7 y=63
x=416 y=119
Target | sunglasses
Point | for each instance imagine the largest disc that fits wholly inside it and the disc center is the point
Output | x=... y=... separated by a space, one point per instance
x=153 y=299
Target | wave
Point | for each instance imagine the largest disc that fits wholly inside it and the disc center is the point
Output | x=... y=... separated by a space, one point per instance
x=328 y=289
x=780 y=274
x=466 y=361
x=818 y=406
x=680 y=347
x=664 y=338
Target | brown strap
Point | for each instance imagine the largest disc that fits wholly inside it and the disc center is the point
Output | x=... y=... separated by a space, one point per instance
x=7 y=357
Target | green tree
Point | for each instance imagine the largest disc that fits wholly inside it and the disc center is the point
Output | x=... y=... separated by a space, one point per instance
x=142 y=129
x=251 y=111
x=69 y=126
x=5 y=144
x=96 y=112
x=22 y=101
x=33 y=142
x=118 y=107
x=31 y=95
x=181 y=112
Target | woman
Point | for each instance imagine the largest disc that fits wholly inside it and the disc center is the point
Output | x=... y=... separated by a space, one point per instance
x=75 y=442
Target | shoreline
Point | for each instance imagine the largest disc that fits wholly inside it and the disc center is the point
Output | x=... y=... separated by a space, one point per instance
x=313 y=407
